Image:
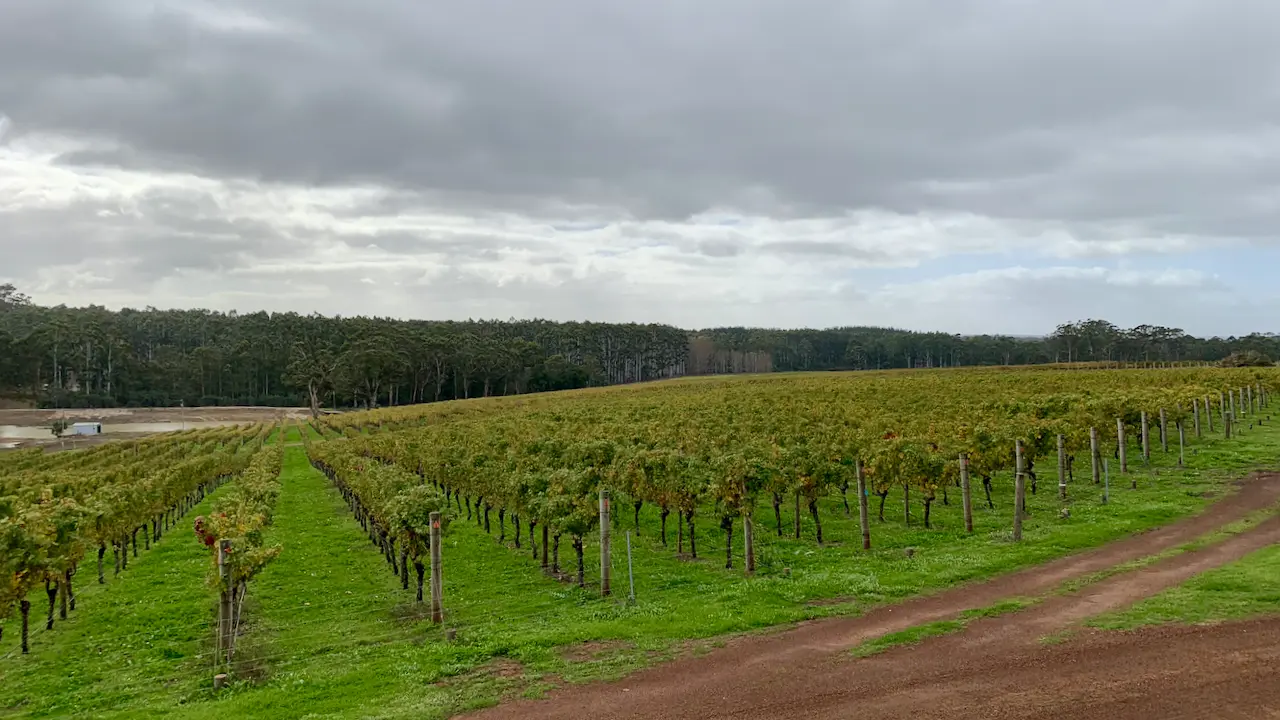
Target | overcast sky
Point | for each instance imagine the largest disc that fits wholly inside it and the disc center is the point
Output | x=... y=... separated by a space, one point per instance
x=962 y=165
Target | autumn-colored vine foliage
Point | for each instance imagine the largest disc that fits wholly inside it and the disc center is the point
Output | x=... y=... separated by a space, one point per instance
x=393 y=506
x=234 y=531
x=711 y=447
x=56 y=509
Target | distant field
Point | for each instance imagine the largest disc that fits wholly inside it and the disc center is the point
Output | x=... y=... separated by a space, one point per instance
x=13 y=416
x=21 y=428
x=332 y=626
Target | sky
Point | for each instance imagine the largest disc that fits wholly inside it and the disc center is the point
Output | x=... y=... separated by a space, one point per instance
x=960 y=165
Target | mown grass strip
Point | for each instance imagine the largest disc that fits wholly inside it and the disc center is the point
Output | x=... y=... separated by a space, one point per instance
x=1246 y=588
x=138 y=641
x=1228 y=592
x=920 y=633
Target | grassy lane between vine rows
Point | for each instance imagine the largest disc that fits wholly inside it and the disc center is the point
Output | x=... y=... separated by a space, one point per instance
x=331 y=634
x=323 y=613
x=140 y=640
x=290 y=434
x=521 y=632
x=310 y=430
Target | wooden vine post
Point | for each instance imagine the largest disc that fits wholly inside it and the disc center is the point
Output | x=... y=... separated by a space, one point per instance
x=1062 y=467
x=1019 y=493
x=1182 y=444
x=863 y=519
x=437 y=579
x=1208 y=412
x=1164 y=431
x=224 y=601
x=1094 y=454
x=605 y=566
x=1195 y=413
x=965 y=494
x=1121 y=446
x=1228 y=422
x=1146 y=438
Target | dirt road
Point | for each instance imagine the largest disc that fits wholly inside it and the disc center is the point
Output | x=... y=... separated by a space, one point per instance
x=996 y=668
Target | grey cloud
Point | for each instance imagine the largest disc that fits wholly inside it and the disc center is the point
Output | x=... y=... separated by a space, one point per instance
x=719 y=248
x=164 y=234
x=666 y=108
x=1030 y=302
x=453 y=246
x=1130 y=128
x=821 y=249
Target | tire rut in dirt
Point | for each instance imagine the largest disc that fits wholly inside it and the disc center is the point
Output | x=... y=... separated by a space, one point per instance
x=785 y=674
x=1176 y=672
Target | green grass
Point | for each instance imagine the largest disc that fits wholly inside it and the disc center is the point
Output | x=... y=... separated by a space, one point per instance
x=1236 y=527
x=917 y=634
x=291 y=433
x=1058 y=638
x=310 y=430
x=920 y=633
x=1245 y=588
x=134 y=642
x=910 y=636
x=332 y=635
x=1002 y=607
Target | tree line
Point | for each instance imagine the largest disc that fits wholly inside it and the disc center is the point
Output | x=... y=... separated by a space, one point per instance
x=93 y=357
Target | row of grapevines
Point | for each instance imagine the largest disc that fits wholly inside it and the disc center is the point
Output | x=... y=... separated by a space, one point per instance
x=36 y=459
x=51 y=520
x=394 y=507
x=234 y=531
x=724 y=447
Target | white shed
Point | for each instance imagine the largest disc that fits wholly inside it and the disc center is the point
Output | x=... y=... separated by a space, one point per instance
x=86 y=428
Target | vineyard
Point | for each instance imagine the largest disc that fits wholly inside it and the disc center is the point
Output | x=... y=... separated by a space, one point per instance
x=388 y=552
x=718 y=452
x=57 y=510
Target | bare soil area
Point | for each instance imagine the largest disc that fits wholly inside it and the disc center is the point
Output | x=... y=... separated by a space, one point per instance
x=71 y=442
x=31 y=426
x=998 y=667
x=13 y=416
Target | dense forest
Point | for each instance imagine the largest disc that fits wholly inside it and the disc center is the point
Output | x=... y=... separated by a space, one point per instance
x=94 y=357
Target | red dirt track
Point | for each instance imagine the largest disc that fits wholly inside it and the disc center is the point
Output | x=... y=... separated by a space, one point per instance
x=995 y=668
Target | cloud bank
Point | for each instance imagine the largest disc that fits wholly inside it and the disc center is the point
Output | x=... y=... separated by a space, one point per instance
x=966 y=165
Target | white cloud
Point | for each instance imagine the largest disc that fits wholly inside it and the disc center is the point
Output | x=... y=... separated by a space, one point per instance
x=233 y=243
